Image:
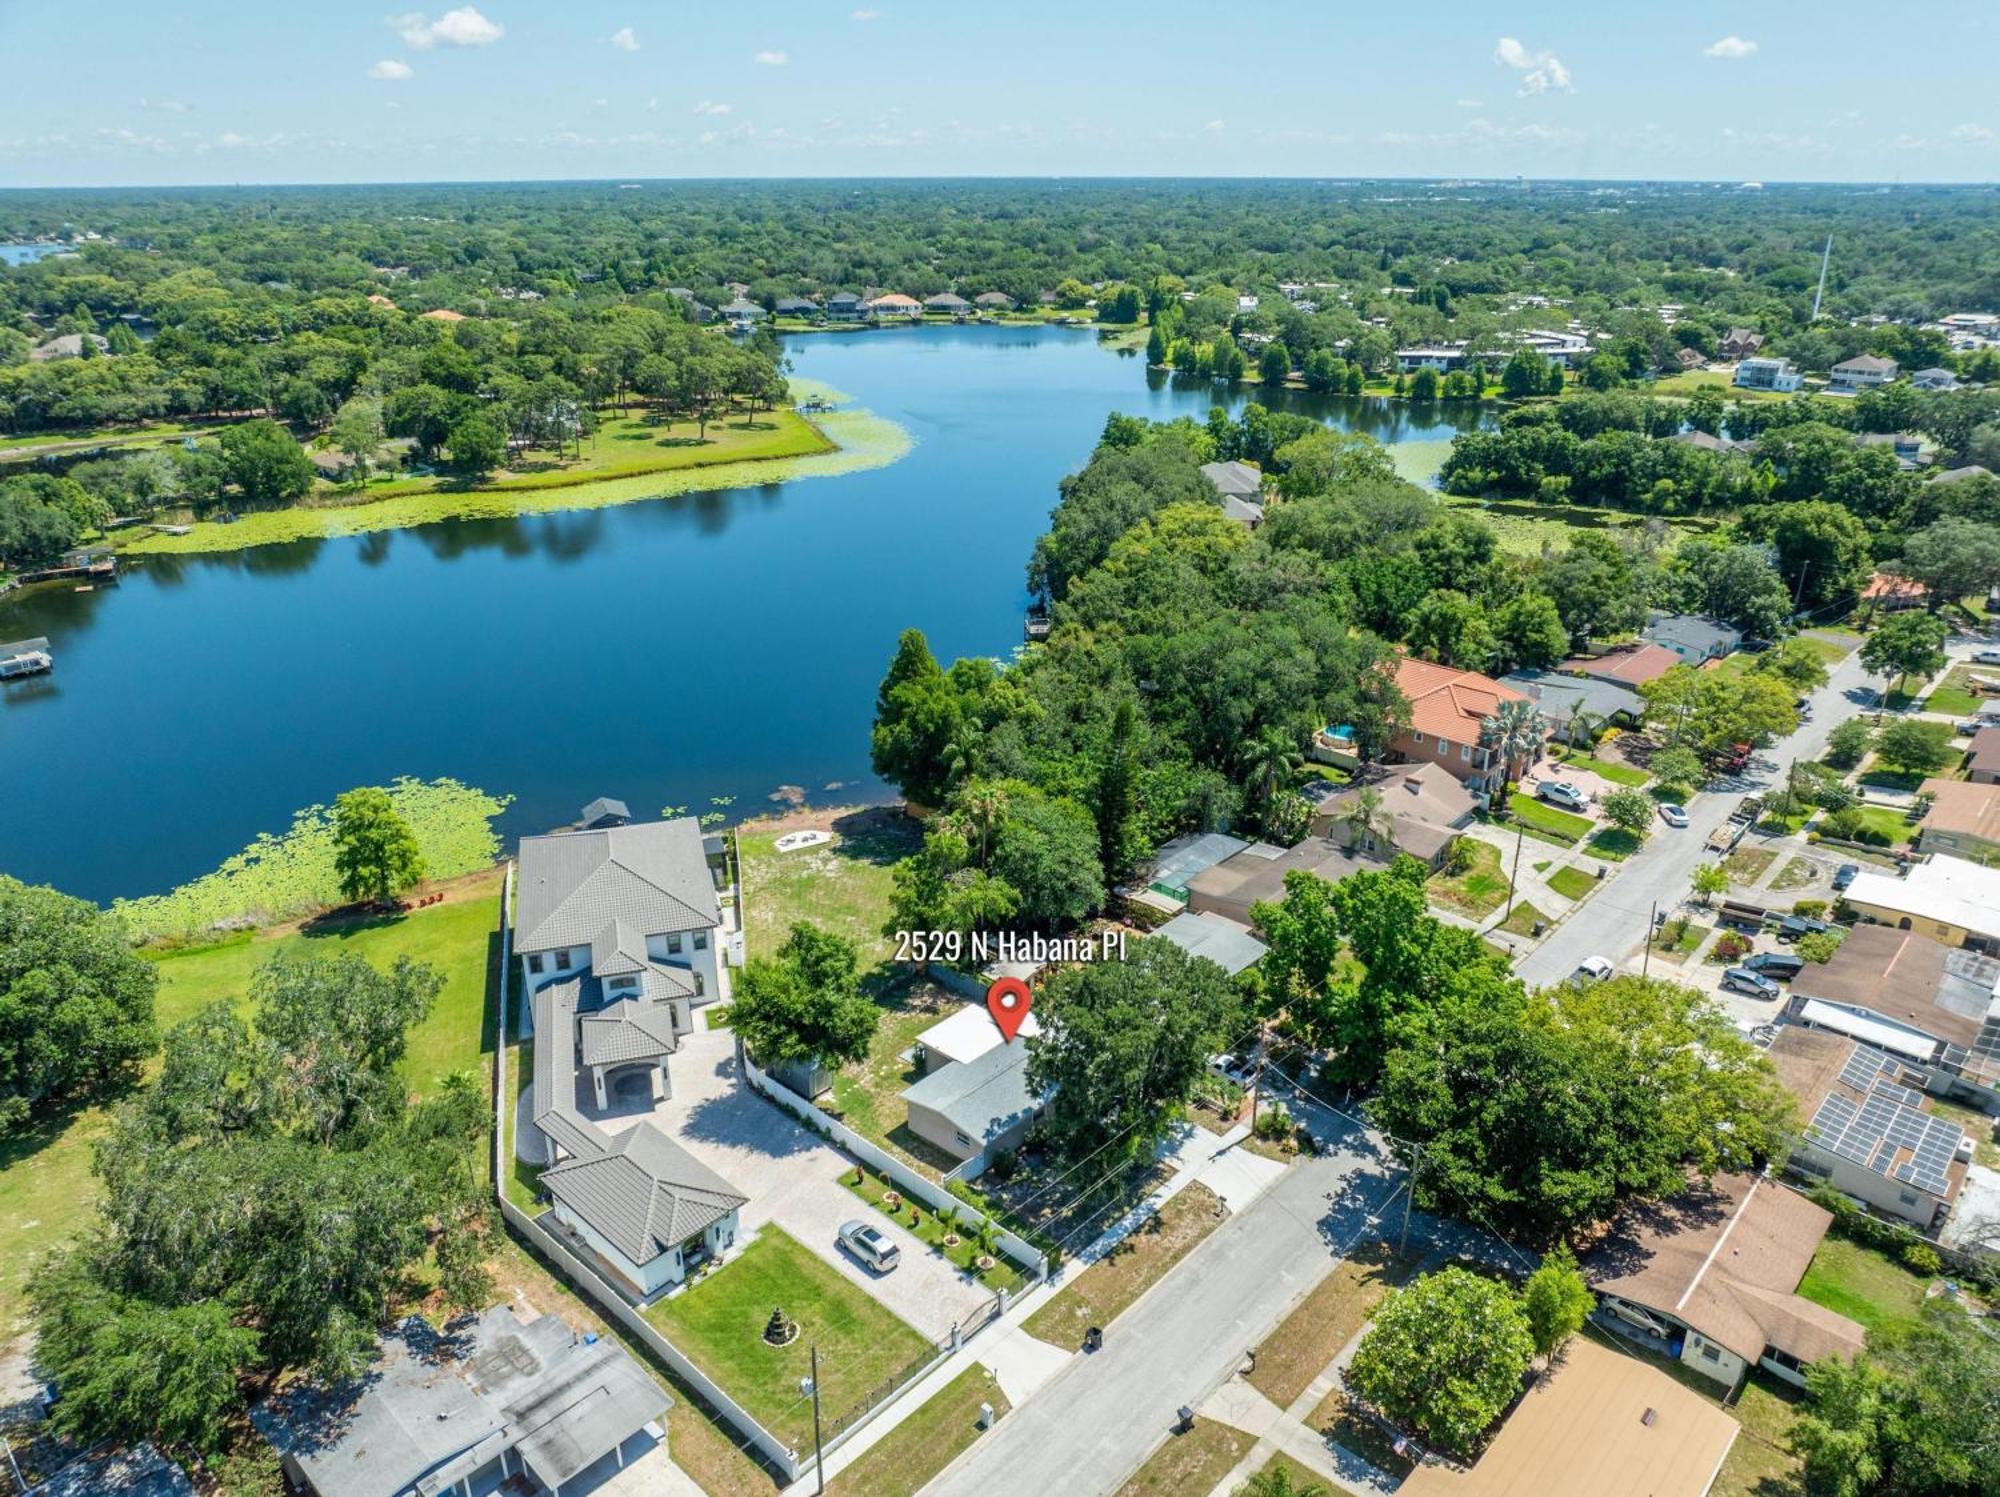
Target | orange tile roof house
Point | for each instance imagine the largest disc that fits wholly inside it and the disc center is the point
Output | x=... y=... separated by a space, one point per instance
x=1447 y=706
x=1887 y=591
x=1594 y=1424
x=1711 y=1277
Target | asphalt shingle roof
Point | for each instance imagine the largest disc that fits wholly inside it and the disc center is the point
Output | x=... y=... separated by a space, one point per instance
x=981 y=1098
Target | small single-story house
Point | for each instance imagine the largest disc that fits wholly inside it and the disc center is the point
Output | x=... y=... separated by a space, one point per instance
x=1907 y=447
x=1257 y=873
x=1693 y=638
x=1892 y=594
x=700 y=310
x=963 y=1036
x=994 y=301
x=797 y=306
x=377 y=299
x=1934 y=379
x=1448 y=707
x=487 y=1403
x=1690 y=358
x=138 y=1471
x=1740 y=343
x=844 y=306
x=1982 y=766
x=1229 y=945
x=1562 y=699
x=1426 y=806
x=1706 y=441
x=1628 y=665
x=330 y=464
x=1241 y=486
x=895 y=307
x=1767 y=374
x=976 y=1108
x=1948 y=899
x=1164 y=884
x=1963 y=821
x=68 y=346
x=605 y=811
x=1863 y=372
x=1869 y=1132
x=1440 y=357
x=947 y=304
x=1711 y=1279
x=742 y=312
x=1596 y=1423
x=1934 y=1008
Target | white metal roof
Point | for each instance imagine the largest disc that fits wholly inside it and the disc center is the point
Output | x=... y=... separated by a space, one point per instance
x=968 y=1034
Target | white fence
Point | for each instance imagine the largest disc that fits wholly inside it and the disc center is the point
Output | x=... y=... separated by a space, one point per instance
x=909 y=1181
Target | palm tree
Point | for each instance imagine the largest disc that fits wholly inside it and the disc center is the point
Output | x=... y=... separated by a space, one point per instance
x=1515 y=732
x=1585 y=727
x=1269 y=757
x=1366 y=819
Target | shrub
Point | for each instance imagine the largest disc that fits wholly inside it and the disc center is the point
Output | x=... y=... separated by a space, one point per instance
x=1729 y=946
x=1811 y=908
x=1274 y=1122
x=1922 y=1258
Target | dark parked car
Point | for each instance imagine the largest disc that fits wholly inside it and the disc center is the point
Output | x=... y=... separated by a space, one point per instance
x=1844 y=875
x=1780 y=966
x=1793 y=926
x=1743 y=980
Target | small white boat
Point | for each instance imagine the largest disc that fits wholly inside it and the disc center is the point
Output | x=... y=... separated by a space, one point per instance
x=26 y=663
x=793 y=841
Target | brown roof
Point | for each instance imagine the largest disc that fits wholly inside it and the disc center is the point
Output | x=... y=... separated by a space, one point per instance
x=1449 y=703
x=1426 y=802
x=1725 y=1259
x=1963 y=809
x=1258 y=871
x=1812 y=1064
x=443 y=314
x=1985 y=751
x=1888 y=585
x=1633 y=666
x=1598 y=1422
x=1891 y=972
x=1808 y=1062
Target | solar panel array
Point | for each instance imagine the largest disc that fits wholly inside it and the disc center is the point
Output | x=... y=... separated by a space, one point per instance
x=1886 y=1123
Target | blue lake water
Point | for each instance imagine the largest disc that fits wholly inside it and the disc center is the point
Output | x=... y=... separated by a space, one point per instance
x=668 y=651
x=26 y=254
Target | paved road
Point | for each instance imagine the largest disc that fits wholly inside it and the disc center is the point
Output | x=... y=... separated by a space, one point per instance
x=1092 y=1424
x=1612 y=923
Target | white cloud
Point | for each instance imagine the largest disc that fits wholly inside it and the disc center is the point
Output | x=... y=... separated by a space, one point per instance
x=391 y=71
x=1470 y=103
x=625 y=39
x=1213 y=126
x=164 y=106
x=464 y=27
x=230 y=140
x=1540 y=71
x=651 y=105
x=1732 y=48
x=773 y=59
x=1977 y=135
x=868 y=15
x=706 y=107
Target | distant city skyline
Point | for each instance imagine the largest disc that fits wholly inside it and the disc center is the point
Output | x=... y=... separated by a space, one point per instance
x=216 y=92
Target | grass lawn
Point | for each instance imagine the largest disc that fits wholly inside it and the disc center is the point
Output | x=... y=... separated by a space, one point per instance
x=1095 y=1295
x=105 y=436
x=843 y=885
x=1862 y=1284
x=1479 y=890
x=1572 y=882
x=1615 y=843
x=1347 y=1426
x=719 y=1323
x=1796 y=874
x=523 y=1180
x=1831 y=647
x=47 y=1192
x=925 y=1442
x=1622 y=774
x=1679 y=947
x=1305 y=1481
x=1539 y=816
x=867 y=1096
x=1952 y=697
x=1894 y=825
x=1721 y=380
x=922 y=1222
x=1747 y=864
x=1905 y=781
x=1525 y=528
x=1190 y=1464
x=1322 y=1323
x=1523 y=920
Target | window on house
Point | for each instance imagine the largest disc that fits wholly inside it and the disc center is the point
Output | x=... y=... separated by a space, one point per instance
x=534 y=961
x=562 y=961
x=699 y=988
x=1417 y=737
x=701 y=940
x=1907 y=1197
x=1710 y=1354
x=1465 y=752
x=674 y=944
x=1444 y=748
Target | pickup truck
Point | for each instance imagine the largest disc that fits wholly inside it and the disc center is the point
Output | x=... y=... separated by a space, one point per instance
x=1741 y=818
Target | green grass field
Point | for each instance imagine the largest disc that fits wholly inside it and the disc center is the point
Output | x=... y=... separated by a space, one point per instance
x=1610 y=769
x=1526 y=528
x=1479 y=890
x=925 y=1442
x=1890 y=823
x=1614 y=843
x=844 y=885
x=719 y=1322
x=47 y=1192
x=1571 y=882
x=1864 y=1285
x=1720 y=380
x=1539 y=816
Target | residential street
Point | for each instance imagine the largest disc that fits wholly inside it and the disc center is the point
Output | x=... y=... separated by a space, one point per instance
x=1612 y=923
x=1095 y=1421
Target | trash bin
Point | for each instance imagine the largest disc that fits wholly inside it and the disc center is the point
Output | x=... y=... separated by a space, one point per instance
x=1185 y=1420
x=1093 y=1338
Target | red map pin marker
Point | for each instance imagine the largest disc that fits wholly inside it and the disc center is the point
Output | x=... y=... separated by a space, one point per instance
x=1009 y=1000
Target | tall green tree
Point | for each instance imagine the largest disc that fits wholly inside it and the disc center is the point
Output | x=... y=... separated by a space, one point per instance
x=1445 y=1356
x=804 y=1005
x=1557 y=1300
x=375 y=854
x=1905 y=645
x=265 y=463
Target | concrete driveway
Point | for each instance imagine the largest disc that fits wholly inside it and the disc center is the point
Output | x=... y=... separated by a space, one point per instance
x=792 y=1177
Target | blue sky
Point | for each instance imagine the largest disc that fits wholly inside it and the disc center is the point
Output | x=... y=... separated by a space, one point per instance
x=183 y=91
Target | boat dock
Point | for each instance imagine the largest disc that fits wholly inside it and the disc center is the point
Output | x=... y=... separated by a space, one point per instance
x=80 y=566
x=25 y=657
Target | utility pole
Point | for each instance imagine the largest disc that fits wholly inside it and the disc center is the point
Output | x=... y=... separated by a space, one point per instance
x=1257 y=1073
x=1799 y=587
x=1652 y=924
x=1520 y=833
x=1409 y=1196
x=819 y=1456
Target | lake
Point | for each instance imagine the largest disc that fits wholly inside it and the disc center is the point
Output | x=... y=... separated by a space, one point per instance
x=664 y=652
x=28 y=254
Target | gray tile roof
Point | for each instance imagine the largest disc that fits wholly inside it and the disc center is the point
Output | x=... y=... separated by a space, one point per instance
x=653 y=875
x=617 y=951
x=1221 y=940
x=606 y=809
x=1243 y=511
x=1560 y=697
x=1239 y=479
x=981 y=1098
x=627 y=1031
x=645 y=1194
x=434 y=1409
x=139 y=1472
x=1698 y=635
x=555 y=1083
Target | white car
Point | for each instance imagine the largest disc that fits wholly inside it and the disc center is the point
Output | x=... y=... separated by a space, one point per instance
x=1562 y=793
x=1672 y=814
x=1592 y=969
x=1986 y=657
